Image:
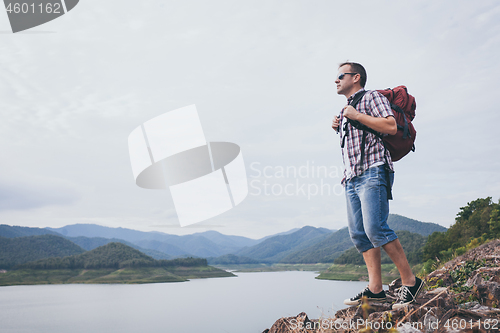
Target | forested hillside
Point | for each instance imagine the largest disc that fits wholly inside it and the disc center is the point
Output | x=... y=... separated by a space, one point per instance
x=474 y=224
x=112 y=255
x=90 y=243
x=398 y=222
x=332 y=247
x=16 y=251
x=275 y=248
x=412 y=245
x=9 y=231
x=111 y=263
x=325 y=251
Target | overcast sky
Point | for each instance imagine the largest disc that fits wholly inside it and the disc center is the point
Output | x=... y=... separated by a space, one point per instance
x=261 y=74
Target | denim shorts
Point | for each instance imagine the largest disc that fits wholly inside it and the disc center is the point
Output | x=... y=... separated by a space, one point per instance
x=368 y=208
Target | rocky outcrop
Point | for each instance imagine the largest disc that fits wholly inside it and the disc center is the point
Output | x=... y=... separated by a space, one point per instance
x=462 y=296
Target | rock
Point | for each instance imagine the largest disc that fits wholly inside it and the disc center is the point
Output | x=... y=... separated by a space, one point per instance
x=436 y=291
x=488 y=294
x=489 y=252
x=482 y=309
x=297 y=324
x=396 y=284
x=475 y=280
x=431 y=322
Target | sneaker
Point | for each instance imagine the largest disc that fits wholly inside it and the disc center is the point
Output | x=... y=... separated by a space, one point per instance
x=408 y=295
x=371 y=297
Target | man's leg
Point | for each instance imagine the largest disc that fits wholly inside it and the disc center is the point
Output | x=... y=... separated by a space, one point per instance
x=372 y=260
x=397 y=255
x=412 y=285
x=375 y=211
x=374 y=291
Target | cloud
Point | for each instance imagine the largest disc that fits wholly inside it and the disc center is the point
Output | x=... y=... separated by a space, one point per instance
x=262 y=76
x=32 y=193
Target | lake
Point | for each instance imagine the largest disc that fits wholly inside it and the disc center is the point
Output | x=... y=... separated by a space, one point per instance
x=248 y=303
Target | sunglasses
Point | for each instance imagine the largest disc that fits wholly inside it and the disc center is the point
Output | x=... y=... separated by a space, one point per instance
x=341 y=76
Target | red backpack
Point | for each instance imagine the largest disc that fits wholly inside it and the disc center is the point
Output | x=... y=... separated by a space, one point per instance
x=403 y=106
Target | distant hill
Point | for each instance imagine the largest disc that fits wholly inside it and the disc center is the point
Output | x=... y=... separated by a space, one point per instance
x=227 y=240
x=412 y=245
x=332 y=247
x=17 y=231
x=163 y=247
x=16 y=251
x=291 y=231
x=90 y=243
x=324 y=251
x=398 y=222
x=275 y=248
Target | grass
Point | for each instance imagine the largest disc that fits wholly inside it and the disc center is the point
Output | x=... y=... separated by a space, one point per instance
x=357 y=273
x=134 y=275
x=275 y=267
x=124 y=275
x=30 y=276
x=199 y=272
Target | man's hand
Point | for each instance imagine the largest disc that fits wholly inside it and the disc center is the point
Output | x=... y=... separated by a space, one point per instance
x=336 y=123
x=386 y=125
x=351 y=112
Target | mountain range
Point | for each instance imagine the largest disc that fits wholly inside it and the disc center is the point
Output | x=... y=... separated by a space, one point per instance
x=205 y=244
x=305 y=245
x=308 y=246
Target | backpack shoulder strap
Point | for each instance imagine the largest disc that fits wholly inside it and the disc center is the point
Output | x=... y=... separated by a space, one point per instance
x=357 y=124
x=354 y=102
x=357 y=98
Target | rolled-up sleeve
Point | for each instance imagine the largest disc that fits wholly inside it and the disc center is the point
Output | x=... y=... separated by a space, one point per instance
x=379 y=105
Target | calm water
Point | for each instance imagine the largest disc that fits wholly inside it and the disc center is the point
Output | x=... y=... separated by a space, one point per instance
x=249 y=303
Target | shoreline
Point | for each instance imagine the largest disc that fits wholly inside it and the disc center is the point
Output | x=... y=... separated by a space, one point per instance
x=109 y=275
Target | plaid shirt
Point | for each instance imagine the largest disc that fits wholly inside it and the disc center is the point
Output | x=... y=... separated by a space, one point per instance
x=376 y=105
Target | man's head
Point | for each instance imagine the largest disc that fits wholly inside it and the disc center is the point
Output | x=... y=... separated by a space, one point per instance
x=351 y=78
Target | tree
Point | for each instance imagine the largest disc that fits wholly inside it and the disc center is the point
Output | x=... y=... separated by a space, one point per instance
x=480 y=218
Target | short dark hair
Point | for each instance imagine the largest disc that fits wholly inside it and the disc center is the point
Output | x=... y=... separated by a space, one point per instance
x=357 y=68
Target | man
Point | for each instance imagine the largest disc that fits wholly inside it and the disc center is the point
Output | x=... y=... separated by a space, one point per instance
x=368 y=179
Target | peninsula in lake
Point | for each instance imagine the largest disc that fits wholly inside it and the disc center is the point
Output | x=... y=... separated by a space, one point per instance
x=111 y=263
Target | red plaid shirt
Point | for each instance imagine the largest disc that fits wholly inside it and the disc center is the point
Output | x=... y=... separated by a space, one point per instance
x=373 y=104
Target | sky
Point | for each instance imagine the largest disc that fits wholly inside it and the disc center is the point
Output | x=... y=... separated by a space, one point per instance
x=261 y=74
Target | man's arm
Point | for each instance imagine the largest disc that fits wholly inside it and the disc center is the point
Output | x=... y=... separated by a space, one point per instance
x=382 y=125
